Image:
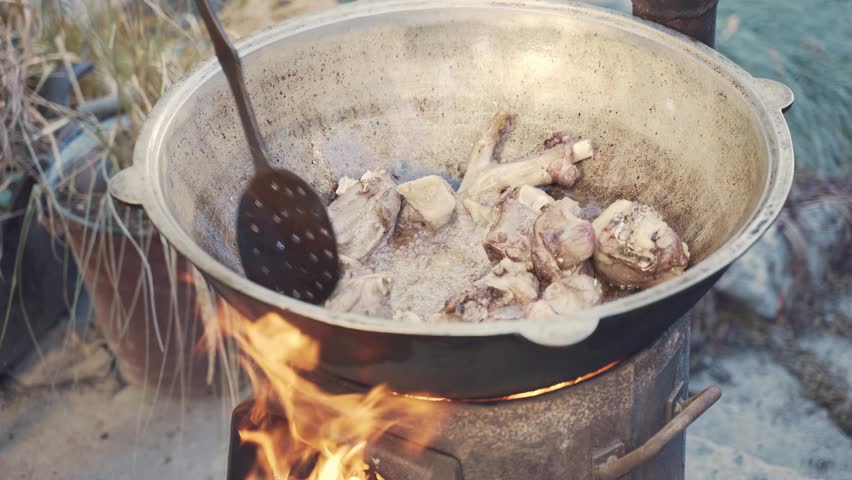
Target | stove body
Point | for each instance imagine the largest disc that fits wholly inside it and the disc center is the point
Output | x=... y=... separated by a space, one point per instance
x=569 y=433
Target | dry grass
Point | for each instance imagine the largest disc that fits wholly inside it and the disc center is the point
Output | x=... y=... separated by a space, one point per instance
x=242 y=17
x=139 y=49
x=23 y=64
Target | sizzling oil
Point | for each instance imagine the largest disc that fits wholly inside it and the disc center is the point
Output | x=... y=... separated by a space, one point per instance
x=429 y=268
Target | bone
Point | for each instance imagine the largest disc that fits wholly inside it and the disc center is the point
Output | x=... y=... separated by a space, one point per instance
x=483 y=151
x=554 y=166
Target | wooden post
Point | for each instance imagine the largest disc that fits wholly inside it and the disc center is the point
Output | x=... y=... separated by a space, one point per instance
x=696 y=18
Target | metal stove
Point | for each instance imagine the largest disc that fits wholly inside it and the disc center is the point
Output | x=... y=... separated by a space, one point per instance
x=625 y=423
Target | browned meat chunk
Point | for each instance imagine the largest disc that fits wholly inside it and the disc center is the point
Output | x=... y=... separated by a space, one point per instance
x=508 y=236
x=635 y=247
x=365 y=295
x=364 y=213
x=561 y=240
x=361 y=291
x=507 y=284
x=569 y=294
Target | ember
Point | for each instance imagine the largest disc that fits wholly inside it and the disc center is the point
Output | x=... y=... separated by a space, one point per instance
x=522 y=395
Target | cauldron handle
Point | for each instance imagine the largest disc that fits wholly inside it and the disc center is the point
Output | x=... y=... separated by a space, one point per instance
x=774 y=94
x=686 y=413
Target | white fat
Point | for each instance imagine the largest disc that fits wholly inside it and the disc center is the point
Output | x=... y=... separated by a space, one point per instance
x=371 y=174
x=607 y=215
x=345 y=184
x=582 y=150
x=407 y=316
x=432 y=197
x=533 y=198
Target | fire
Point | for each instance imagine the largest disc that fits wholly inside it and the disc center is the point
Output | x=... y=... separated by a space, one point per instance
x=302 y=431
x=522 y=395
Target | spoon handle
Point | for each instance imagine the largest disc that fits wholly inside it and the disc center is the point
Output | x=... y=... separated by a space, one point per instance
x=231 y=65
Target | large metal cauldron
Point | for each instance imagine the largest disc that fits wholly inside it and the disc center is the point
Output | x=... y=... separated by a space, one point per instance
x=409 y=85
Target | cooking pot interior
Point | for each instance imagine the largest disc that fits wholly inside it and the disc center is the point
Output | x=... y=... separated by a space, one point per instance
x=412 y=92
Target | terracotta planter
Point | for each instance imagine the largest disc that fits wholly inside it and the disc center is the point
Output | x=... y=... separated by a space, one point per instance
x=144 y=295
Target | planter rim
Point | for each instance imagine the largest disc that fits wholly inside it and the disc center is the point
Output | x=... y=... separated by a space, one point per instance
x=81 y=142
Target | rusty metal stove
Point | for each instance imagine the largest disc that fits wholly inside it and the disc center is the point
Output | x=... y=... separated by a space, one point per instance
x=626 y=422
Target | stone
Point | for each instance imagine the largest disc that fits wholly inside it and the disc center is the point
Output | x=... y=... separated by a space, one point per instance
x=707 y=460
x=762 y=278
x=764 y=414
x=826 y=230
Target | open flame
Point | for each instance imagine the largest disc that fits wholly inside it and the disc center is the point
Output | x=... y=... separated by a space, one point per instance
x=302 y=432
x=317 y=435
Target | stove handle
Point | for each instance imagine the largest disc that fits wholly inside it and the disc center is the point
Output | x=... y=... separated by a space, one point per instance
x=687 y=413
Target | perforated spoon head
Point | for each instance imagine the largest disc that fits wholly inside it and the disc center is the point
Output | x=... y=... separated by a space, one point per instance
x=284 y=236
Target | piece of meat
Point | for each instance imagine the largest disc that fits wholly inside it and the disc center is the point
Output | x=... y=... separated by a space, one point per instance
x=482 y=155
x=635 y=247
x=556 y=165
x=428 y=199
x=364 y=213
x=560 y=240
x=349 y=267
x=506 y=285
x=364 y=294
x=508 y=236
x=569 y=294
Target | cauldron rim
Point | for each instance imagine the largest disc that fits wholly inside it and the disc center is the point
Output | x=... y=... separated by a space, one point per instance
x=139 y=184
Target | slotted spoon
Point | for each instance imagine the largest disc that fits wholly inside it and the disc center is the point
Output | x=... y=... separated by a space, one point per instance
x=284 y=236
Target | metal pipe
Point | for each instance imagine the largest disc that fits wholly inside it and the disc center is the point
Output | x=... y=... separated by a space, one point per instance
x=696 y=18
